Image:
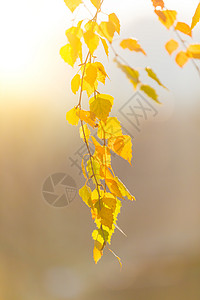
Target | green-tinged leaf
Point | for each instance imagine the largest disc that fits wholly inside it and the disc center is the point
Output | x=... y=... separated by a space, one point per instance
x=85 y=194
x=101 y=105
x=149 y=91
x=94 y=169
x=153 y=75
x=131 y=74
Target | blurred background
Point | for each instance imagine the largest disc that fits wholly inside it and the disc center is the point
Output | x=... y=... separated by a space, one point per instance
x=46 y=252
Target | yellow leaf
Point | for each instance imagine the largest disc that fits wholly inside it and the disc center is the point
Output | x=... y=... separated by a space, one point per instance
x=181 y=58
x=91 y=75
x=158 y=3
x=152 y=75
x=131 y=74
x=149 y=91
x=96 y=3
x=72 y=4
x=166 y=17
x=132 y=45
x=102 y=153
x=122 y=146
x=107 y=30
x=68 y=54
x=75 y=83
x=101 y=73
x=196 y=17
x=183 y=27
x=87 y=116
x=85 y=194
x=106 y=215
x=91 y=40
x=74 y=31
x=114 y=19
x=111 y=128
x=171 y=46
x=97 y=253
x=72 y=117
x=110 y=201
x=101 y=105
x=84 y=132
x=105 y=46
x=194 y=51
x=93 y=168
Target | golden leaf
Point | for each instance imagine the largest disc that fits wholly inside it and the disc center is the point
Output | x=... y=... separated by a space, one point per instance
x=68 y=54
x=101 y=105
x=194 y=51
x=166 y=17
x=105 y=46
x=196 y=17
x=107 y=30
x=109 y=129
x=75 y=83
x=114 y=19
x=91 y=40
x=84 y=132
x=96 y=3
x=72 y=117
x=132 y=45
x=181 y=58
x=171 y=46
x=183 y=27
x=158 y=3
x=72 y=4
x=87 y=116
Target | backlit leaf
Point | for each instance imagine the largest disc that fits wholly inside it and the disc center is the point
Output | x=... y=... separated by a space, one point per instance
x=149 y=91
x=152 y=75
x=87 y=116
x=171 y=46
x=109 y=129
x=183 y=27
x=72 y=117
x=132 y=45
x=114 y=19
x=85 y=194
x=84 y=132
x=107 y=30
x=91 y=40
x=194 y=51
x=122 y=146
x=75 y=83
x=105 y=46
x=68 y=54
x=96 y=3
x=196 y=17
x=72 y=4
x=181 y=58
x=166 y=17
x=101 y=105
